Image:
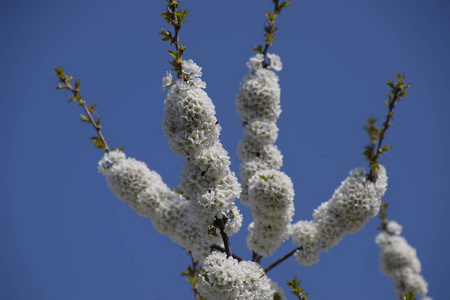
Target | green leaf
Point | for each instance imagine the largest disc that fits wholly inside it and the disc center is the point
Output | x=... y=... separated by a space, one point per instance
x=97 y=141
x=83 y=118
x=77 y=84
x=276 y=296
x=386 y=148
x=172 y=53
x=409 y=295
x=91 y=108
x=284 y=5
x=212 y=231
x=258 y=48
x=167 y=16
x=59 y=72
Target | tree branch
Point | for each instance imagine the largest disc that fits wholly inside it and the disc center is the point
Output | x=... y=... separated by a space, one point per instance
x=281 y=259
x=226 y=243
x=99 y=141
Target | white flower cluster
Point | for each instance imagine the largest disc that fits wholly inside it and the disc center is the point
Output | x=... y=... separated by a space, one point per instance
x=272 y=193
x=207 y=187
x=399 y=261
x=256 y=62
x=145 y=192
x=267 y=191
x=223 y=278
x=355 y=202
x=193 y=132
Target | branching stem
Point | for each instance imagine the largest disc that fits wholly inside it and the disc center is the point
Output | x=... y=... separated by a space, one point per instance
x=66 y=84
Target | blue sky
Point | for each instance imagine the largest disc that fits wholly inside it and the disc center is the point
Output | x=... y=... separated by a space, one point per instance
x=65 y=236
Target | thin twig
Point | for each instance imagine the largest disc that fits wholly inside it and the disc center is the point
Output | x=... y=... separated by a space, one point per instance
x=268 y=43
x=194 y=269
x=281 y=259
x=63 y=78
x=256 y=257
x=226 y=242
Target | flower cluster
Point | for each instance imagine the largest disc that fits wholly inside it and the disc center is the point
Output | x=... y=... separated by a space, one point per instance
x=145 y=192
x=399 y=261
x=267 y=191
x=207 y=188
x=257 y=62
x=193 y=132
x=223 y=278
x=355 y=202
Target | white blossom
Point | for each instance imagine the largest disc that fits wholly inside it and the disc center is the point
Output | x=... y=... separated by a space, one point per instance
x=207 y=181
x=167 y=80
x=189 y=119
x=190 y=68
x=394 y=228
x=223 y=278
x=259 y=96
x=256 y=61
x=399 y=261
x=354 y=202
x=199 y=83
x=305 y=236
x=127 y=178
x=275 y=62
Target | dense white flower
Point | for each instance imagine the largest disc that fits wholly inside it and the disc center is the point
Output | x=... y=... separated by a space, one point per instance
x=189 y=119
x=305 y=236
x=270 y=195
x=399 y=261
x=262 y=131
x=394 y=228
x=167 y=80
x=189 y=67
x=128 y=177
x=223 y=278
x=249 y=149
x=207 y=181
x=275 y=62
x=353 y=203
x=199 y=83
x=382 y=181
x=256 y=61
x=259 y=96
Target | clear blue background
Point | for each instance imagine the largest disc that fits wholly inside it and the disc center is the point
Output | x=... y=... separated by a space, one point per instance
x=65 y=236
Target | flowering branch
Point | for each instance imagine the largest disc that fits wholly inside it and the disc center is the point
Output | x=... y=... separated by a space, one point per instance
x=375 y=148
x=175 y=17
x=65 y=83
x=270 y=29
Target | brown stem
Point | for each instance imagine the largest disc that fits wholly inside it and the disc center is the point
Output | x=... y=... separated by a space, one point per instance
x=256 y=257
x=269 y=43
x=194 y=269
x=82 y=103
x=281 y=259
x=226 y=242
x=396 y=97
